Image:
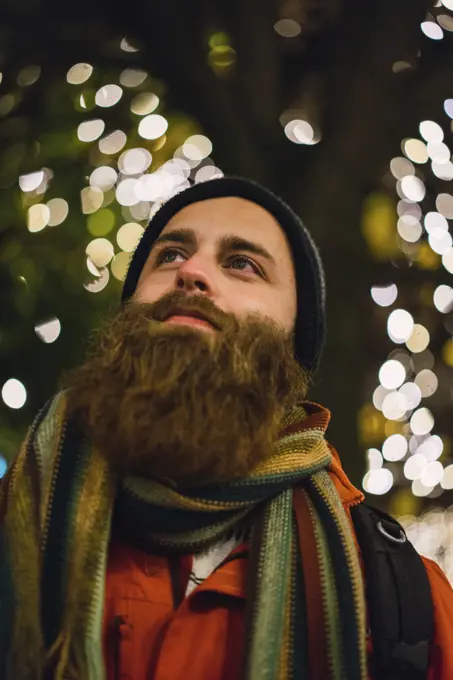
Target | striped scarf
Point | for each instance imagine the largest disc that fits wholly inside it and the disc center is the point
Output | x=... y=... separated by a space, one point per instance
x=60 y=503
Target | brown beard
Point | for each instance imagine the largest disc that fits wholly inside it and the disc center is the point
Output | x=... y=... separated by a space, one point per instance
x=181 y=405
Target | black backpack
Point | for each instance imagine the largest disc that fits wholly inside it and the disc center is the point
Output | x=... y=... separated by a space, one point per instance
x=400 y=607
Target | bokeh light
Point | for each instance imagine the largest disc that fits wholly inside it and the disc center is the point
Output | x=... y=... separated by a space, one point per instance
x=79 y=73
x=90 y=130
x=152 y=127
x=14 y=393
x=48 y=331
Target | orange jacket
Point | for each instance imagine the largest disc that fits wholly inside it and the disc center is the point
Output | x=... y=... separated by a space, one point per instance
x=147 y=636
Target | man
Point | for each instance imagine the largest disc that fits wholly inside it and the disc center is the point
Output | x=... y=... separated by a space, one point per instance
x=177 y=512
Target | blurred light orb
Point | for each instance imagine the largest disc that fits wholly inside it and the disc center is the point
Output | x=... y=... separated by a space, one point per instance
x=103 y=177
x=400 y=325
x=400 y=167
x=108 y=95
x=447 y=478
x=113 y=142
x=28 y=76
x=392 y=374
x=431 y=447
x=287 y=28
x=207 y=173
x=427 y=381
x=415 y=150
x=48 y=331
x=132 y=77
x=140 y=211
x=432 y=30
x=444 y=204
x=31 y=181
x=91 y=199
x=422 y=421
x=413 y=188
x=90 y=130
x=14 y=393
x=384 y=296
x=409 y=228
x=419 y=489
x=378 y=481
x=443 y=170
x=448 y=4
x=447 y=260
x=152 y=127
x=300 y=132
x=394 y=447
x=445 y=21
x=129 y=235
x=59 y=210
x=38 y=216
x=120 y=265
x=419 y=339
x=423 y=360
x=399 y=66
x=412 y=393
x=126 y=46
x=92 y=268
x=99 y=283
x=379 y=395
x=125 y=192
x=375 y=459
x=431 y=132
x=448 y=107
x=394 y=406
x=438 y=151
x=414 y=466
x=101 y=222
x=134 y=161
x=100 y=251
x=434 y=220
x=408 y=208
x=197 y=147
x=149 y=187
x=440 y=241
x=144 y=103
x=182 y=166
x=443 y=298
x=79 y=73
x=432 y=474
x=404 y=358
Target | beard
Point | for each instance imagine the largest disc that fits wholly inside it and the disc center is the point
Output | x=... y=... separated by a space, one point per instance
x=185 y=407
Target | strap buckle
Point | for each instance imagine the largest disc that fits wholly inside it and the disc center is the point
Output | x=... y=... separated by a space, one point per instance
x=402 y=538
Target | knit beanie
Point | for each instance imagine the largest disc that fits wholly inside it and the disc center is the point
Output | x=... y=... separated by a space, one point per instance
x=310 y=282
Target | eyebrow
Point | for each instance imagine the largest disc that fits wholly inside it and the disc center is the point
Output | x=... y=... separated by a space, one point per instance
x=227 y=242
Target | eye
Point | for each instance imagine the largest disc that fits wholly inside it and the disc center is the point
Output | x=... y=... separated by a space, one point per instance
x=247 y=260
x=165 y=252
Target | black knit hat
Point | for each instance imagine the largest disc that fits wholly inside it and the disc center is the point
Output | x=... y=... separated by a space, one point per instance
x=310 y=323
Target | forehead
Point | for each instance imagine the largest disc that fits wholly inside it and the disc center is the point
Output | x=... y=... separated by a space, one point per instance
x=211 y=218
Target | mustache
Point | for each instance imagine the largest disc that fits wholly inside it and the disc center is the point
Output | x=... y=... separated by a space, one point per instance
x=178 y=302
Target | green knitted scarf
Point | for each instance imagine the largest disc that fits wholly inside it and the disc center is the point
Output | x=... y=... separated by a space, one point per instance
x=59 y=504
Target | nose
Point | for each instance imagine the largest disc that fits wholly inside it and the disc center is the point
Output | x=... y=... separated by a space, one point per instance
x=192 y=277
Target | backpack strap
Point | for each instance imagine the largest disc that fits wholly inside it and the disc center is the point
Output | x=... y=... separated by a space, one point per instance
x=400 y=606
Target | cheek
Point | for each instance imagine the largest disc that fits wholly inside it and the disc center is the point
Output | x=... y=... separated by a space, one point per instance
x=150 y=290
x=278 y=308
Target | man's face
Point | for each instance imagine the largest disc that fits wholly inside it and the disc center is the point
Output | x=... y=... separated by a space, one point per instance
x=187 y=404
x=238 y=282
